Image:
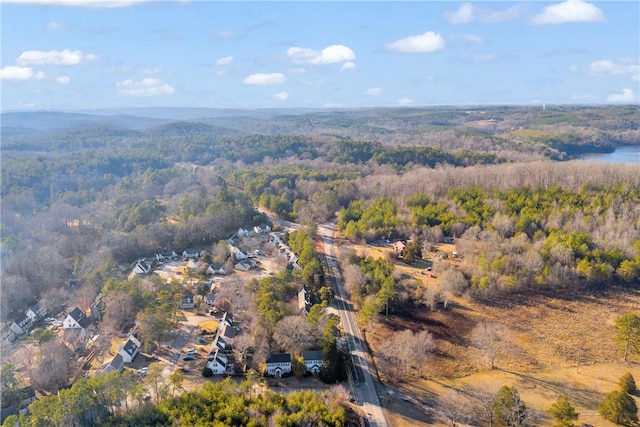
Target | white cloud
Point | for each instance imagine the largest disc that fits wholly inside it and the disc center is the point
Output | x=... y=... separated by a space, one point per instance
x=627 y=95
x=298 y=71
x=62 y=80
x=405 y=101
x=79 y=3
x=468 y=38
x=569 y=11
x=427 y=42
x=40 y=75
x=467 y=13
x=333 y=54
x=264 y=79
x=52 y=27
x=374 y=91
x=281 y=96
x=145 y=87
x=54 y=57
x=225 y=60
x=13 y=72
x=463 y=15
x=607 y=66
x=348 y=66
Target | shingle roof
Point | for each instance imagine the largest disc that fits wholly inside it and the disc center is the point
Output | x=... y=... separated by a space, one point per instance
x=77 y=315
x=130 y=347
x=279 y=358
x=312 y=355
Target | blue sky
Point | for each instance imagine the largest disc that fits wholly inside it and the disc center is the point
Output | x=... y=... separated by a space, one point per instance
x=79 y=54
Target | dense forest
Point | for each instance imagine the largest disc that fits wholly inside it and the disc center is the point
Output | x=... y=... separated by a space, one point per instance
x=81 y=190
x=85 y=196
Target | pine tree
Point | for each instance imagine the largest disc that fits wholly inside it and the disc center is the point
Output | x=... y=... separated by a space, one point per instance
x=563 y=413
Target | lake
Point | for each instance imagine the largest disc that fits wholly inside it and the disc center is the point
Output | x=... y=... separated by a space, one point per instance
x=619 y=155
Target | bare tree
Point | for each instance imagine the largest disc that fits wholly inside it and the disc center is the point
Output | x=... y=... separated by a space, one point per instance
x=354 y=280
x=492 y=339
x=54 y=367
x=293 y=334
x=455 y=408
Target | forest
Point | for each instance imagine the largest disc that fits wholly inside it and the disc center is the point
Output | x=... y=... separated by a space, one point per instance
x=85 y=196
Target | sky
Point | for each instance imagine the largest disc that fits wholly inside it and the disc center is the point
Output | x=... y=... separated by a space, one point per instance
x=81 y=54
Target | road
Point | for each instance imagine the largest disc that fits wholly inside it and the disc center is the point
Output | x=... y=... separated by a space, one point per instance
x=366 y=394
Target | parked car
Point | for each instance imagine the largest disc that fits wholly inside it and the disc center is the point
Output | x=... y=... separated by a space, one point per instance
x=191 y=352
x=143 y=371
x=201 y=340
x=188 y=357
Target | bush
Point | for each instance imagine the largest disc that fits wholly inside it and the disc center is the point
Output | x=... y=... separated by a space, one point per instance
x=207 y=372
x=627 y=384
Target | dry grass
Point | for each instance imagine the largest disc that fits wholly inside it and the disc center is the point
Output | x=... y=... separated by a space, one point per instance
x=210 y=326
x=549 y=333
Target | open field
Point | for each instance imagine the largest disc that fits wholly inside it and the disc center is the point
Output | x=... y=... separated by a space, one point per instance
x=554 y=343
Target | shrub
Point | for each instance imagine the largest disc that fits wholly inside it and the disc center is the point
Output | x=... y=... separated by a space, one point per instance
x=207 y=372
x=619 y=408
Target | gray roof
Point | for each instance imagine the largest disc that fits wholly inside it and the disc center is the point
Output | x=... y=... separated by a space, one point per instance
x=279 y=358
x=116 y=362
x=312 y=355
x=130 y=347
x=79 y=317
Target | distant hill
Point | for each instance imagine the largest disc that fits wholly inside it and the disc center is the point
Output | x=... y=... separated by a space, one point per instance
x=45 y=121
x=191 y=128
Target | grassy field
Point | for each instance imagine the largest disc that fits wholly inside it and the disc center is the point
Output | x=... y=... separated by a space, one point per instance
x=555 y=342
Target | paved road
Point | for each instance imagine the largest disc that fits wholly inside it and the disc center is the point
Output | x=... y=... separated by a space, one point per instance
x=366 y=394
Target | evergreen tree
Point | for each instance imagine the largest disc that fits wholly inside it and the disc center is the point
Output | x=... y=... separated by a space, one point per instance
x=627 y=383
x=563 y=413
x=619 y=408
x=509 y=409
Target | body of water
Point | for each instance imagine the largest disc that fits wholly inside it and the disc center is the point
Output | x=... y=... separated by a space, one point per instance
x=619 y=155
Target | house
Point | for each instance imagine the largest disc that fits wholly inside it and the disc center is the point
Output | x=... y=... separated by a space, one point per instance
x=216 y=268
x=142 y=267
x=261 y=229
x=210 y=299
x=76 y=320
x=227 y=319
x=191 y=253
x=218 y=363
x=37 y=311
x=237 y=253
x=244 y=266
x=116 y=364
x=313 y=361
x=278 y=364
x=21 y=325
x=186 y=301
x=129 y=349
x=399 y=246
x=304 y=305
x=166 y=256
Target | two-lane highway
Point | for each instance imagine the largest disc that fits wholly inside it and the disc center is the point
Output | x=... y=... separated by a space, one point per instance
x=366 y=390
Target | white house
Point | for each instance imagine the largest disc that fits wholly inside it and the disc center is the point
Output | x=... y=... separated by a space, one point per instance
x=116 y=364
x=218 y=363
x=278 y=364
x=313 y=361
x=261 y=229
x=142 y=267
x=191 y=253
x=186 y=301
x=21 y=325
x=129 y=349
x=165 y=256
x=237 y=253
x=37 y=311
x=217 y=268
x=304 y=305
x=76 y=320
